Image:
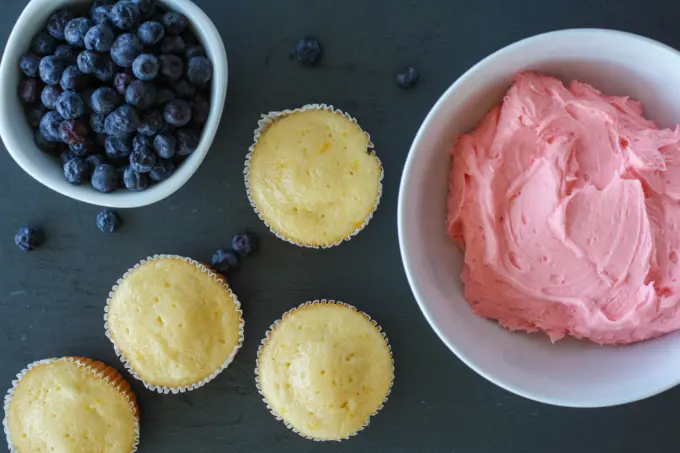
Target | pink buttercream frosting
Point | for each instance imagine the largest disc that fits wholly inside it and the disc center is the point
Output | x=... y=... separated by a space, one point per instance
x=567 y=204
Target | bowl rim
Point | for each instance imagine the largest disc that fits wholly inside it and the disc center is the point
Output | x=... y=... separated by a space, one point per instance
x=13 y=142
x=401 y=219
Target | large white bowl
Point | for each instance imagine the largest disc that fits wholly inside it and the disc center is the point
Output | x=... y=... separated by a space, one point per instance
x=18 y=137
x=570 y=372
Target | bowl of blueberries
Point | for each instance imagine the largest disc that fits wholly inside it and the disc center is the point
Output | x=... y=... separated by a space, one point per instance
x=114 y=103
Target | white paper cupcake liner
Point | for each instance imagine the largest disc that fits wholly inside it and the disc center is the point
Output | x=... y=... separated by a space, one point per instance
x=269 y=119
x=216 y=277
x=83 y=362
x=266 y=338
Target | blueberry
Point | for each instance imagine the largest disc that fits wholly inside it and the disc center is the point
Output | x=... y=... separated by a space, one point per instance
x=152 y=122
x=104 y=69
x=200 y=109
x=407 y=77
x=76 y=170
x=118 y=148
x=29 y=238
x=124 y=15
x=66 y=156
x=73 y=79
x=99 y=38
x=82 y=149
x=100 y=15
x=70 y=105
x=68 y=53
x=125 y=49
x=177 y=112
x=194 y=50
x=51 y=69
x=75 y=31
x=140 y=94
x=49 y=126
x=141 y=143
x=42 y=143
x=29 y=90
x=108 y=221
x=183 y=89
x=105 y=100
x=73 y=132
x=121 y=82
x=308 y=51
x=167 y=128
x=173 y=44
x=86 y=96
x=172 y=66
x=43 y=44
x=162 y=170
x=122 y=121
x=94 y=160
x=224 y=261
x=97 y=3
x=164 y=95
x=88 y=60
x=142 y=160
x=49 y=96
x=105 y=178
x=147 y=8
x=187 y=141
x=134 y=181
x=57 y=23
x=244 y=244
x=97 y=123
x=199 y=70
x=30 y=65
x=165 y=146
x=145 y=67
x=174 y=22
x=34 y=114
x=151 y=33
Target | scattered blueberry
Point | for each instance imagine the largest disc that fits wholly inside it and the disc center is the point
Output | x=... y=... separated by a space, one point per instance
x=118 y=148
x=308 y=51
x=104 y=69
x=183 y=89
x=43 y=44
x=199 y=70
x=177 y=112
x=145 y=67
x=34 y=114
x=73 y=132
x=124 y=15
x=165 y=146
x=97 y=123
x=200 y=109
x=49 y=96
x=105 y=100
x=121 y=82
x=76 y=170
x=88 y=60
x=147 y=8
x=99 y=38
x=30 y=65
x=407 y=77
x=51 y=69
x=140 y=94
x=244 y=244
x=73 y=79
x=49 y=126
x=162 y=170
x=108 y=221
x=194 y=50
x=174 y=22
x=152 y=122
x=125 y=49
x=142 y=160
x=173 y=44
x=151 y=33
x=100 y=15
x=171 y=66
x=70 y=105
x=187 y=141
x=105 y=178
x=122 y=121
x=29 y=90
x=57 y=23
x=224 y=261
x=75 y=31
x=29 y=238
x=164 y=95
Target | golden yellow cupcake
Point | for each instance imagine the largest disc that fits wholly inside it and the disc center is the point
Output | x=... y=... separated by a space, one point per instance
x=175 y=324
x=312 y=175
x=325 y=369
x=71 y=405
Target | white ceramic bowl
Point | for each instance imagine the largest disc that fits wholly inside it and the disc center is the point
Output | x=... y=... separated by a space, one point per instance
x=570 y=372
x=18 y=137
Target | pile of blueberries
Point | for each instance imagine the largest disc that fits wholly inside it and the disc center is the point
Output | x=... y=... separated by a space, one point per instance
x=120 y=93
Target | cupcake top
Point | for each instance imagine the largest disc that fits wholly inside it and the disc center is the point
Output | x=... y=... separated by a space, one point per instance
x=313 y=177
x=325 y=369
x=71 y=405
x=175 y=323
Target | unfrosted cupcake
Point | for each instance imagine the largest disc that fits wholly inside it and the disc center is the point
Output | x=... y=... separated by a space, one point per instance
x=71 y=405
x=325 y=369
x=175 y=324
x=312 y=175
